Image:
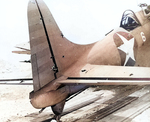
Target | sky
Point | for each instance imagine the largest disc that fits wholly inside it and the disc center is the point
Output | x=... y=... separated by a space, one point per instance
x=81 y=21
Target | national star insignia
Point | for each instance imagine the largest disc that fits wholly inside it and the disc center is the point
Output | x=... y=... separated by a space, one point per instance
x=127 y=47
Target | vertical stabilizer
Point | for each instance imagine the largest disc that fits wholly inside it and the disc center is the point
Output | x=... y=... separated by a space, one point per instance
x=51 y=52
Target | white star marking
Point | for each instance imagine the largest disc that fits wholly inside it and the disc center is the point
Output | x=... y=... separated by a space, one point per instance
x=127 y=47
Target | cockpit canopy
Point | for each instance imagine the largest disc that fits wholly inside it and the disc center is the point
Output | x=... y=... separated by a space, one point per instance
x=129 y=20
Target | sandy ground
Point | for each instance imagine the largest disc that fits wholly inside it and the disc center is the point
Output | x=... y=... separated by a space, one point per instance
x=14 y=99
x=15 y=104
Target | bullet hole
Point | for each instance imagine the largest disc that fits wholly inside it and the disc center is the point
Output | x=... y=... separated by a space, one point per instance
x=83 y=70
x=131 y=74
x=62 y=35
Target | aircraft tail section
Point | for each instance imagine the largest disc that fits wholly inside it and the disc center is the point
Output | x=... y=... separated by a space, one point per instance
x=51 y=52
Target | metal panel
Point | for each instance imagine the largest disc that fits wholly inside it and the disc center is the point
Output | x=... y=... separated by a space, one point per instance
x=40 y=53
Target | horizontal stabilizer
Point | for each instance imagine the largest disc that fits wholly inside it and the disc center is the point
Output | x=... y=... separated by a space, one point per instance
x=111 y=75
x=106 y=82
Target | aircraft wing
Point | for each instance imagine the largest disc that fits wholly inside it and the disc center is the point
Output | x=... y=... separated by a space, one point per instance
x=21 y=52
x=16 y=81
x=24 y=48
x=110 y=75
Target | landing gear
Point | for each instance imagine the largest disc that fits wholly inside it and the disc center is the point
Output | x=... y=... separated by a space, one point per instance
x=53 y=120
x=58 y=109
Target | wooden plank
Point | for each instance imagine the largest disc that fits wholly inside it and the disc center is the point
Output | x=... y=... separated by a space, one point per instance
x=132 y=110
x=109 y=97
x=110 y=109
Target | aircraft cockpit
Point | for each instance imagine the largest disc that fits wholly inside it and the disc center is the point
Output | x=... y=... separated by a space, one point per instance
x=129 y=20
